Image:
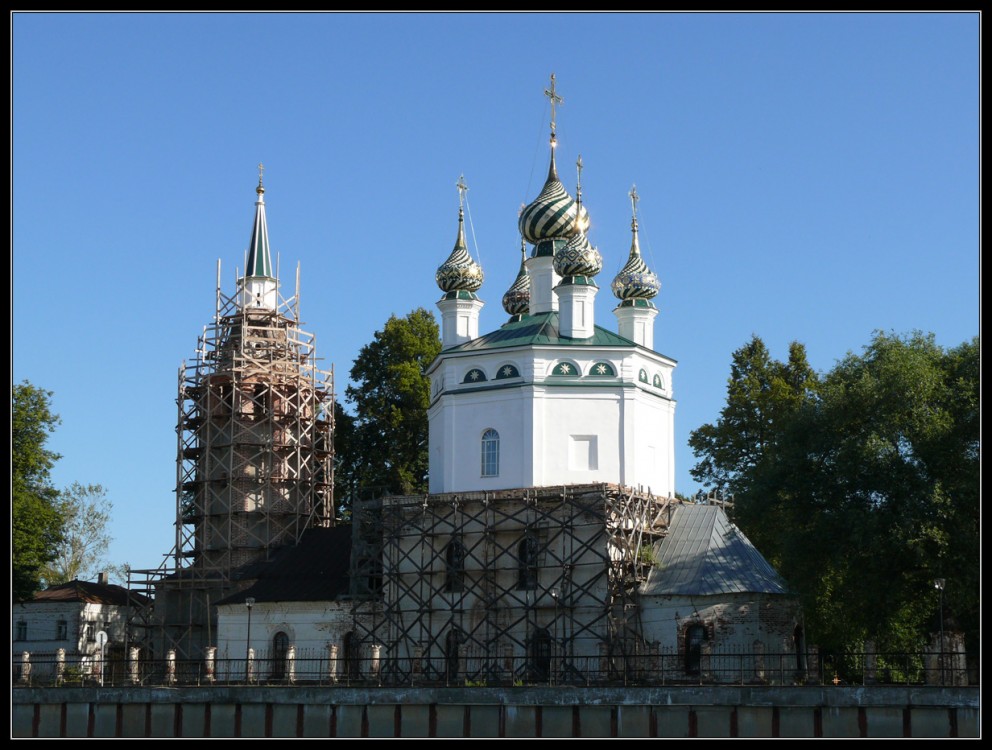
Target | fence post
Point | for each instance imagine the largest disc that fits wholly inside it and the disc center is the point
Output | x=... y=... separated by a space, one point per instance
x=332 y=662
x=209 y=663
x=26 y=667
x=291 y=664
x=170 y=667
x=133 y=665
x=374 y=665
x=60 y=666
x=250 y=666
x=814 y=665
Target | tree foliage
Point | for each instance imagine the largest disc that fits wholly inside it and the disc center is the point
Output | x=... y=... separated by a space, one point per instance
x=36 y=521
x=383 y=447
x=86 y=538
x=861 y=486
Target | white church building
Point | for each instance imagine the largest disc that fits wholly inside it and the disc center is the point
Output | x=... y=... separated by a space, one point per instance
x=551 y=545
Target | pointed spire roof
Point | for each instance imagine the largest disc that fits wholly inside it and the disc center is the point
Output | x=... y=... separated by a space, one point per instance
x=259 y=263
x=635 y=280
x=459 y=273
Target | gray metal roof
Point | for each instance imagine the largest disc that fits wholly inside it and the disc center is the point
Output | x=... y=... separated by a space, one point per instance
x=704 y=554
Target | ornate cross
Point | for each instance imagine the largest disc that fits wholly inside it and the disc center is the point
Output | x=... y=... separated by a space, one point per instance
x=260 y=170
x=462 y=187
x=634 y=197
x=555 y=99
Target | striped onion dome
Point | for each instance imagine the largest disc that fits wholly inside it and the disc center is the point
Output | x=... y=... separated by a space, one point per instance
x=552 y=214
x=459 y=272
x=516 y=301
x=578 y=258
x=635 y=280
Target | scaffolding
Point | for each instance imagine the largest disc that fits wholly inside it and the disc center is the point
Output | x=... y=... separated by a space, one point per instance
x=254 y=465
x=537 y=583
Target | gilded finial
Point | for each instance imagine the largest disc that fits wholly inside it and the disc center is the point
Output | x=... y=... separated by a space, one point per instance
x=634 y=197
x=555 y=99
x=260 y=189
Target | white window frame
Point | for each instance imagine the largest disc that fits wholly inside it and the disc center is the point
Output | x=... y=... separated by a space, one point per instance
x=490 y=453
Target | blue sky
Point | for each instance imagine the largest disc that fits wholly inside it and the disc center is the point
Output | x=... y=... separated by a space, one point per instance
x=810 y=177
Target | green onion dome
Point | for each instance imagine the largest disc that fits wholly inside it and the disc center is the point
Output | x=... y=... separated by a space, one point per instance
x=635 y=280
x=552 y=214
x=516 y=301
x=459 y=272
x=578 y=258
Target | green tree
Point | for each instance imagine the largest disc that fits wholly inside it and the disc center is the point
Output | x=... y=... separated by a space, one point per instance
x=762 y=395
x=390 y=394
x=346 y=479
x=82 y=552
x=36 y=522
x=861 y=486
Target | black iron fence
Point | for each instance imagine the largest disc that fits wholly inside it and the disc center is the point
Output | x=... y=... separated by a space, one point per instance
x=316 y=667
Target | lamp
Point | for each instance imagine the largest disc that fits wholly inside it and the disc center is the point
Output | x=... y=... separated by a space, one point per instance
x=939 y=584
x=249 y=603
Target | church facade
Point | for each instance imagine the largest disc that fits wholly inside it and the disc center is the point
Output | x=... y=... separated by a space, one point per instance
x=551 y=546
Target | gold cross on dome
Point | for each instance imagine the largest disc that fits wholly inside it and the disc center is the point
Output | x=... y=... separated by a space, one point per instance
x=634 y=197
x=555 y=99
x=462 y=188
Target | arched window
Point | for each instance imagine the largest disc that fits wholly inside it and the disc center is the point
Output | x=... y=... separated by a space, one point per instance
x=527 y=558
x=454 y=564
x=602 y=370
x=451 y=643
x=490 y=453
x=694 y=637
x=280 y=647
x=539 y=654
x=352 y=661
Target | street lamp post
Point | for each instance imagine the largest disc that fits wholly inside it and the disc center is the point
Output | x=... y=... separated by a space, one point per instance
x=249 y=603
x=939 y=585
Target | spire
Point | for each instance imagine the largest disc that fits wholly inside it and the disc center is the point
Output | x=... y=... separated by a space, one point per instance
x=259 y=288
x=459 y=273
x=259 y=262
x=635 y=280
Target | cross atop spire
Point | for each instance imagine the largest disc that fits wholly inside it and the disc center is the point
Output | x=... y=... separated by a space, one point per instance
x=462 y=189
x=634 y=197
x=260 y=189
x=555 y=99
x=578 y=179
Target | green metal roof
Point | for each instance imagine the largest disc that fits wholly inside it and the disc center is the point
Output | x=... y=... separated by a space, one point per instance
x=537 y=330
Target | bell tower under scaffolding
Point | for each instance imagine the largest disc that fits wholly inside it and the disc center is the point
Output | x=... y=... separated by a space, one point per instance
x=254 y=466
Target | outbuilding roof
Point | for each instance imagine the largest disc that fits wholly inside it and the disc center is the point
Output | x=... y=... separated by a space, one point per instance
x=705 y=554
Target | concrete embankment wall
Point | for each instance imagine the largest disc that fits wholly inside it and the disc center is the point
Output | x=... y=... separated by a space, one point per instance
x=233 y=711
